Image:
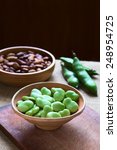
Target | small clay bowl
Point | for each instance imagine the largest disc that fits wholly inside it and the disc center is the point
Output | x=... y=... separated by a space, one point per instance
x=22 y=79
x=47 y=123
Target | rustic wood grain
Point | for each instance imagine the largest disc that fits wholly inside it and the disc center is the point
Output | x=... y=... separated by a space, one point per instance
x=82 y=133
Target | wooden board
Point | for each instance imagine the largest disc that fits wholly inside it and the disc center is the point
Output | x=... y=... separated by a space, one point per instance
x=81 y=133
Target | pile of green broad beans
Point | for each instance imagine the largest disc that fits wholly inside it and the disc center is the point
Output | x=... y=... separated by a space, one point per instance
x=49 y=103
x=78 y=75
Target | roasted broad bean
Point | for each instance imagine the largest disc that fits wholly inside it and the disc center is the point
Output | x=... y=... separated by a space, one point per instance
x=24 y=62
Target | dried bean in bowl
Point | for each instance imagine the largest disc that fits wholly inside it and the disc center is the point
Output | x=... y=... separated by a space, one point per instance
x=24 y=62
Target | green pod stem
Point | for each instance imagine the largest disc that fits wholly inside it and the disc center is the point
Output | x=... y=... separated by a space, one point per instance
x=70 y=77
x=90 y=71
x=84 y=77
x=68 y=62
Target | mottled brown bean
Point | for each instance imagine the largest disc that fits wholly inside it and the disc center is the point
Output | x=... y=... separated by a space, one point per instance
x=24 y=62
x=1 y=59
x=11 y=54
x=16 y=65
x=12 y=58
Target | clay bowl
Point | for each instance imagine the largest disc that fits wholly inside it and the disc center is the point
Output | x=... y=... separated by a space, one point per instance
x=46 y=123
x=22 y=79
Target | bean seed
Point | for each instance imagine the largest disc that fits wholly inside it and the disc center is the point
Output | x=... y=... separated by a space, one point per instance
x=32 y=66
x=5 y=66
x=12 y=58
x=46 y=58
x=31 y=57
x=1 y=59
x=6 y=61
x=49 y=63
x=24 y=66
x=23 y=62
x=20 y=54
x=31 y=70
x=38 y=56
x=1 y=67
x=11 y=54
x=18 y=71
x=10 y=63
x=39 y=69
x=37 y=61
x=16 y=65
x=24 y=69
x=39 y=66
x=11 y=68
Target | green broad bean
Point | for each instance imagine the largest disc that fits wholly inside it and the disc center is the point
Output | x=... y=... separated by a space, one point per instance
x=73 y=95
x=39 y=113
x=57 y=106
x=53 y=115
x=60 y=104
x=53 y=90
x=64 y=112
x=58 y=94
x=41 y=102
x=45 y=110
x=43 y=114
x=18 y=102
x=28 y=98
x=71 y=105
x=45 y=91
x=32 y=111
x=48 y=98
x=35 y=93
x=25 y=106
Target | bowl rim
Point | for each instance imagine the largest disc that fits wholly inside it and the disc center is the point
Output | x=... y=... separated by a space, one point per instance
x=45 y=119
x=30 y=47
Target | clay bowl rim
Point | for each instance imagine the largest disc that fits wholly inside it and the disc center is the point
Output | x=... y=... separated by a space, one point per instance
x=29 y=47
x=47 y=119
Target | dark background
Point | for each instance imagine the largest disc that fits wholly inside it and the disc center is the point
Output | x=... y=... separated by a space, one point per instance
x=58 y=26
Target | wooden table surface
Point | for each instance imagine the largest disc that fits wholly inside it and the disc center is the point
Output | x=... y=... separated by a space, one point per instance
x=6 y=93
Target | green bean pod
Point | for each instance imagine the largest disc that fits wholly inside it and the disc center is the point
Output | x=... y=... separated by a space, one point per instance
x=68 y=63
x=70 y=77
x=83 y=76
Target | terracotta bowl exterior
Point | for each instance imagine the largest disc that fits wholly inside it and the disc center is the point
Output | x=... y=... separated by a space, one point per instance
x=22 y=79
x=47 y=123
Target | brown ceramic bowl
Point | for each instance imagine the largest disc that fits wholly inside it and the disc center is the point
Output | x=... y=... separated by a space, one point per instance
x=21 y=79
x=46 y=123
